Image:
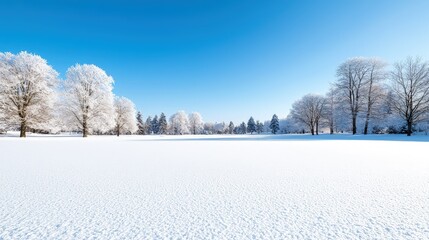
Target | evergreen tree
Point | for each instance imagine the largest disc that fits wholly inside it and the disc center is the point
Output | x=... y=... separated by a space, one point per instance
x=162 y=124
x=251 y=125
x=237 y=130
x=243 y=129
x=140 y=124
x=231 y=128
x=155 y=125
x=274 y=125
x=148 y=126
x=259 y=127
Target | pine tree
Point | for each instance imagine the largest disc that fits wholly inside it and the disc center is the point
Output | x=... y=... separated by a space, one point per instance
x=243 y=129
x=274 y=125
x=231 y=128
x=162 y=124
x=148 y=126
x=251 y=125
x=140 y=124
x=237 y=130
x=155 y=125
x=259 y=127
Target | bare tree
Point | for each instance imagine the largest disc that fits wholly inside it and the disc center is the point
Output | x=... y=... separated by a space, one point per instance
x=27 y=91
x=375 y=91
x=308 y=110
x=329 y=110
x=352 y=77
x=410 y=88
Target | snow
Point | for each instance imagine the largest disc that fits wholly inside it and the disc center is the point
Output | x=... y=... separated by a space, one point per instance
x=221 y=187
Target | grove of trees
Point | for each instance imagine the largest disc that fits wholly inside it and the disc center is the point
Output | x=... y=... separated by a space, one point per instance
x=368 y=98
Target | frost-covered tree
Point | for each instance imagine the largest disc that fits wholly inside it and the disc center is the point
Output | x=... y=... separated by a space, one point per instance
x=196 y=123
x=237 y=130
x=351 y=83
x=374 y=89
x=330 y=109
x=148 y=126
x=243 y=128
x=162 y=124
x=209 y=128
x=308 y=110
x=125 y=113
x=231 y=127
x=179 y=123
x=290 y=125
x=267 y=126
x=251 y=125
x=27 y=91
x=155 y=125
x=140 y=124
x=220 y=128
x=259 y=127
x=88 y=98
x=410 y=88
x=274 y=125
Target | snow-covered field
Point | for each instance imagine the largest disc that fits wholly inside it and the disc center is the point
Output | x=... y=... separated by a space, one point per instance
x=221 y=187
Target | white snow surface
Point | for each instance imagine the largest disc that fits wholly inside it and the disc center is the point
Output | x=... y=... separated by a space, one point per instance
x=214 y=187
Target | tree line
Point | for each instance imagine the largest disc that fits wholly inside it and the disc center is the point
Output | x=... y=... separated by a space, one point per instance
x=364 y=98
x=32 y=98
x=181 y=123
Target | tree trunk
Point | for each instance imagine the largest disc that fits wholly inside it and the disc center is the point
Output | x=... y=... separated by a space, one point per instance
x=23 y=129
x=317 y=128
x=365 y=130
x=409 y=128
x=85 y=128
x=354 y=124
x=117 y=131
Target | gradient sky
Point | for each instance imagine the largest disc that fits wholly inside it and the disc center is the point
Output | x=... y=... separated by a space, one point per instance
x=226 y=59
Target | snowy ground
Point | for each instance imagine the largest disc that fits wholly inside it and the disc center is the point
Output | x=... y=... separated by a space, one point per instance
x=264 y=187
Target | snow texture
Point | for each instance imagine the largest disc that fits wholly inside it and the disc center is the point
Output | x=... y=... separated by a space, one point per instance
x=214 y=187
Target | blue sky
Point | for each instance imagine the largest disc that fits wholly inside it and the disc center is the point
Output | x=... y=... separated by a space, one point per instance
x=229 y=60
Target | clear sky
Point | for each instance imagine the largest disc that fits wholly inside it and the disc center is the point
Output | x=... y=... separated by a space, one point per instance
x=229 y=60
